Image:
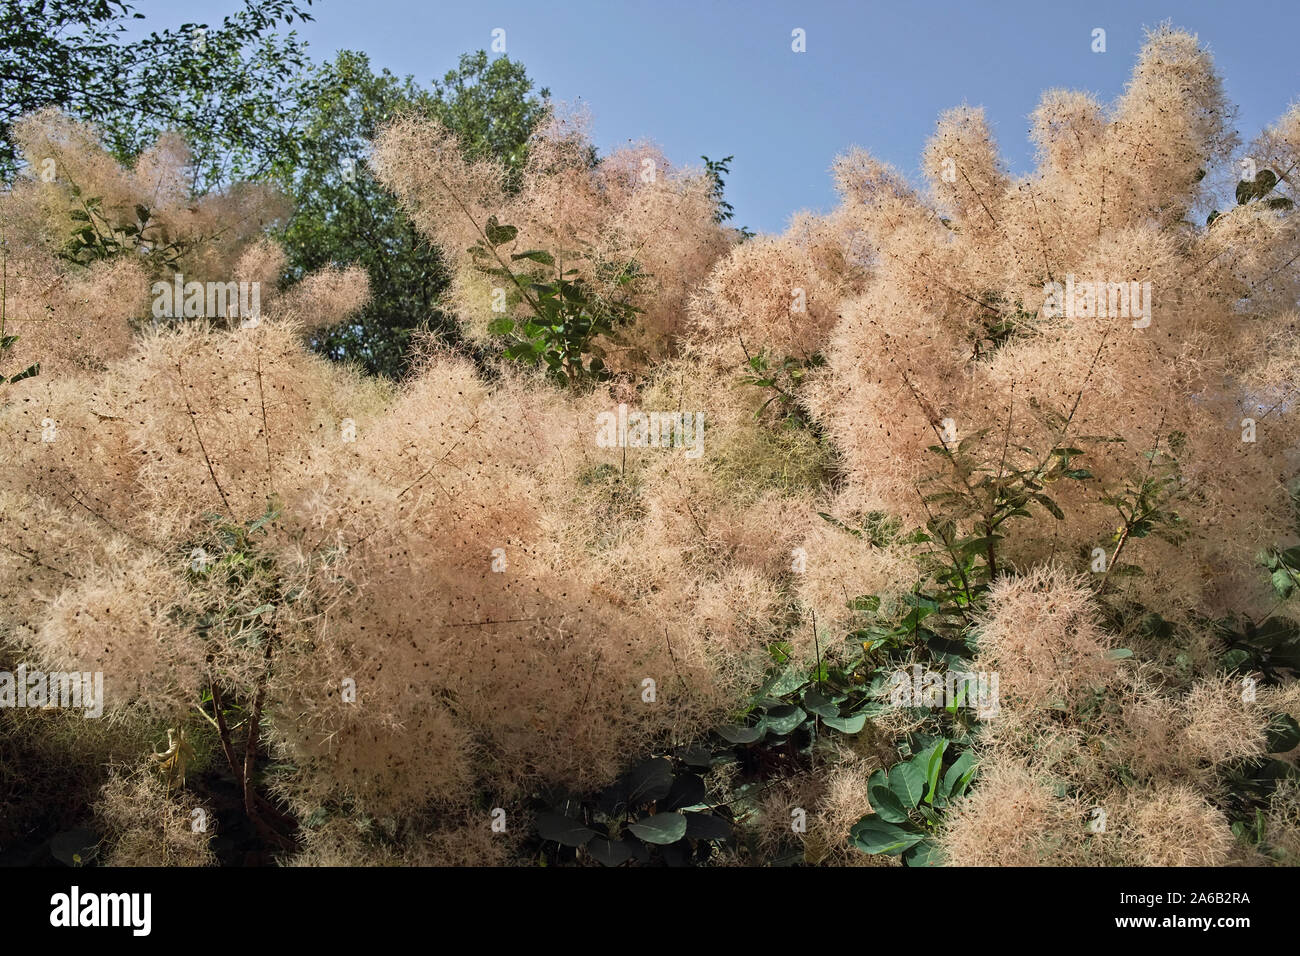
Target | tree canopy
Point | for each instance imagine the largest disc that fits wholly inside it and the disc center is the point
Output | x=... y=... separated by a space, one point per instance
x=343 y=215
x=234 y=90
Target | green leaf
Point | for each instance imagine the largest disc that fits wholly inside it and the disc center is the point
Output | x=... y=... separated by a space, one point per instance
x=1283 y=734
x=920 y=601
x=563 y=830
x=649 y=781
x=883 y=800
x=1234 y=658
x=978 y=545
x=923 y=854
x=959 y=775
x=498 y=234
x=661 y=828
x=687 y=791
x=871 y=834
x=846 y=725
x=502 y=326
x=866 y=602
x=271 y=515
x=706 y=826
x=697 y=756
x=736 y=734
x=817 y=704
x=1260 y=186
x=536 y=255
x=29 y=372
x=1050 y=505
x=839 y=524
x=1284 y=582
x=1119 y=654
x=907 y=780
x=785 y=682
x=783 y=720
x=609 y=852
x=934 y=762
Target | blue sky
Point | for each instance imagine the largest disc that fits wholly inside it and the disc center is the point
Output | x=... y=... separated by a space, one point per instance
x=720 y=77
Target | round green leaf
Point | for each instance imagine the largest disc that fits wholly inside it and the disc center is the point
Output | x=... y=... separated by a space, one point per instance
x=707 y=826
x=697 y=756
x=783 y=720
x=649 y=782
x=687 y=791
x=817 y=703
x=563 y=830
x=846 y=725
x=661 y=829
x=609 y=852
x=735 y=734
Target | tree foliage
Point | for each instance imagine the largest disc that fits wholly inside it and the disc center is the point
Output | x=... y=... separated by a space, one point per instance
x=232 y=89
x=343 y=215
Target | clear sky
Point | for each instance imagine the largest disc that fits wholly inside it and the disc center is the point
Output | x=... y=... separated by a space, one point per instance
x=720 y=77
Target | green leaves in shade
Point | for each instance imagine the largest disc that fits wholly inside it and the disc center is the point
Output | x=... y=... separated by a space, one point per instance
x=816 y=703
x=706 y=826
x=609 y=852
x=649 y=781
x=918 y=785
x=735 y=734
x=1283 y=734
x=563 y=830
x=687 y=791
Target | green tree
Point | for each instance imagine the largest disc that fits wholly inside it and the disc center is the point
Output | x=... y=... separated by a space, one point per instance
x=342 y=215
x=716 y=170
x=234 y=90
